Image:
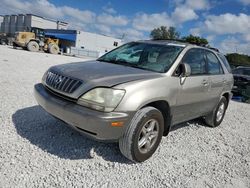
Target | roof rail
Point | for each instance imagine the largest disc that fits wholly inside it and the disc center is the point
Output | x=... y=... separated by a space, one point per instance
x=212 y=48
x=183 y=41
x=177 y=40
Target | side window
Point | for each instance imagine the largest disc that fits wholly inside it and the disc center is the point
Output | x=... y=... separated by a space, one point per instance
x=225 y=62
x=196 y=60
x=213 y=64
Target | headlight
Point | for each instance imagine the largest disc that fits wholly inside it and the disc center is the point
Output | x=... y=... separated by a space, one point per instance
x=102 y=99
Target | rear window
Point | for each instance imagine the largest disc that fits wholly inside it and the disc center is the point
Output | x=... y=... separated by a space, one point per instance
x=225 y=62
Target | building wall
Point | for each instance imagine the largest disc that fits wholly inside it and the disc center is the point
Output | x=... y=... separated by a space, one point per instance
x=13 y=23
x=6 y=24
x=1 y=24
x=40 y=22
x=96 y=42
x=20 y=22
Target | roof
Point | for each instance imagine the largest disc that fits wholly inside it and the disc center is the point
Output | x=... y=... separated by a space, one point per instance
x=178 y=42
x=166 y=42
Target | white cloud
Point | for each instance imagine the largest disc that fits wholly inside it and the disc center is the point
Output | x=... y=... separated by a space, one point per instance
x=228 y=23
x=109 y=10
x=40 y=7
x=195 y=31
x=84 y=15
x=108 y=19
x=198 y=5
x=246 y=37
x=224 y=24
x=231 y=45
x=46 y=9
x=210 y=38
x=185 y=10
x=235 y=27
x=245 y=2
x=182 y=14
x=104 y=29
x=147 y=22
x=130 y=34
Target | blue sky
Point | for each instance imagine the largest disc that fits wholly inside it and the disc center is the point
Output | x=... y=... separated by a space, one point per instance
x=225 y=23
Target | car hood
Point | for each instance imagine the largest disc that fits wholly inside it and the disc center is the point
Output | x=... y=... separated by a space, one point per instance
x=96 y=74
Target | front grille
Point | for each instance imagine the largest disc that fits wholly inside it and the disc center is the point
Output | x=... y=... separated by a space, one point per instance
x=62 y=83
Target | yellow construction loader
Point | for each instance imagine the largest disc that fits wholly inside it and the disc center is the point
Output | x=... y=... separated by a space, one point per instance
x=35 y=40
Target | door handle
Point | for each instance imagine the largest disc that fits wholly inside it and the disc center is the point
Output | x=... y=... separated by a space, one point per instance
x=205 y=82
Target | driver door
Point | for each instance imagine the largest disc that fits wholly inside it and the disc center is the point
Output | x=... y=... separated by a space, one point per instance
x=192 y=98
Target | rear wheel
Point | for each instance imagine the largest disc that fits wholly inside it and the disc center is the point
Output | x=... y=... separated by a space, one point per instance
x=143 y=135
x=33 y=46
x=215 y=118
x=53 y=49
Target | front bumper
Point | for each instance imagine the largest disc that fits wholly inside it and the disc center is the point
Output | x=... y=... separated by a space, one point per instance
x=91 y=123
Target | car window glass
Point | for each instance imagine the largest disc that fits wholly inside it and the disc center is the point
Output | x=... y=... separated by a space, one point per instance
x=196 y=60
x=213 y=64
x=225 y=62
x=246 y=72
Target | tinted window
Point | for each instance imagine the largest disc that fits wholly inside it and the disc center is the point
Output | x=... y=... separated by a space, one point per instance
x=196 y=60
x=225 y=62
x=213 y=64
x=242 y=71
x=246 y=72
x=237 y=71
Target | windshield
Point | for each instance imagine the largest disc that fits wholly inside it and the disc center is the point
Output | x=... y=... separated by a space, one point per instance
x=153 y=57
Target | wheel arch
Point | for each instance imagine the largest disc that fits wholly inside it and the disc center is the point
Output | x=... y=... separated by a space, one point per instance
x=227 y=96
x=164 y=108
x=35 y=40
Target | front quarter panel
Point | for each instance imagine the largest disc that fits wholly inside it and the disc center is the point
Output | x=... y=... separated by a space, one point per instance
x=143 y=92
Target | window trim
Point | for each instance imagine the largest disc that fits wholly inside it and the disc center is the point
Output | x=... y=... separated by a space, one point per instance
x=181 y=61
x=223 y=72
x=205 y=53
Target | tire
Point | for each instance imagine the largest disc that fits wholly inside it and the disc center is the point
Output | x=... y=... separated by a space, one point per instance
x=33 y=46
x=147 y=128
x=53 y=49
x=215 y=118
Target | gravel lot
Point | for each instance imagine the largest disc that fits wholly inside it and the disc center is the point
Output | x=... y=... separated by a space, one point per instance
x=36 y=150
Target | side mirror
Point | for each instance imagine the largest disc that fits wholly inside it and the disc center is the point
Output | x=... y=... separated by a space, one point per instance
x=185 y=70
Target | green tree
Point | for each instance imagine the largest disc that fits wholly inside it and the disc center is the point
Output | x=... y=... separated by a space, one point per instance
x=195 y=40
x=163 y=32
x=236 y=59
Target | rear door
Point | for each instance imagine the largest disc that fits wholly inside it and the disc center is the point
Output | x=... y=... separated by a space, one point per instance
x=216 y=79
x=192 y=98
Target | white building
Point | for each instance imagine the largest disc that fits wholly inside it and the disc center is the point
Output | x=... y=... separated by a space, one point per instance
x=84 y=43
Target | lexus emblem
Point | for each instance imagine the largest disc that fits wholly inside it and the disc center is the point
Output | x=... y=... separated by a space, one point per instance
x=59 y=80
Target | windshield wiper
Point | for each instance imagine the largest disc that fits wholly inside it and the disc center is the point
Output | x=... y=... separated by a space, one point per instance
x=125 y=63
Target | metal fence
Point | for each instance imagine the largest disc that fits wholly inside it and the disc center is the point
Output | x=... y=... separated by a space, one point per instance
x=84 y=52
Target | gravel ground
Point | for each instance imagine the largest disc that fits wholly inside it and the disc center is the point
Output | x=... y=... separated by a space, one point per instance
x=36 y=150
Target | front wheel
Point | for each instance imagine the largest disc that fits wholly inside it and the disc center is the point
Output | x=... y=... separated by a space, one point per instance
x=33 y=46
x=215 y=118
x=53 y=49
x=143 y=135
